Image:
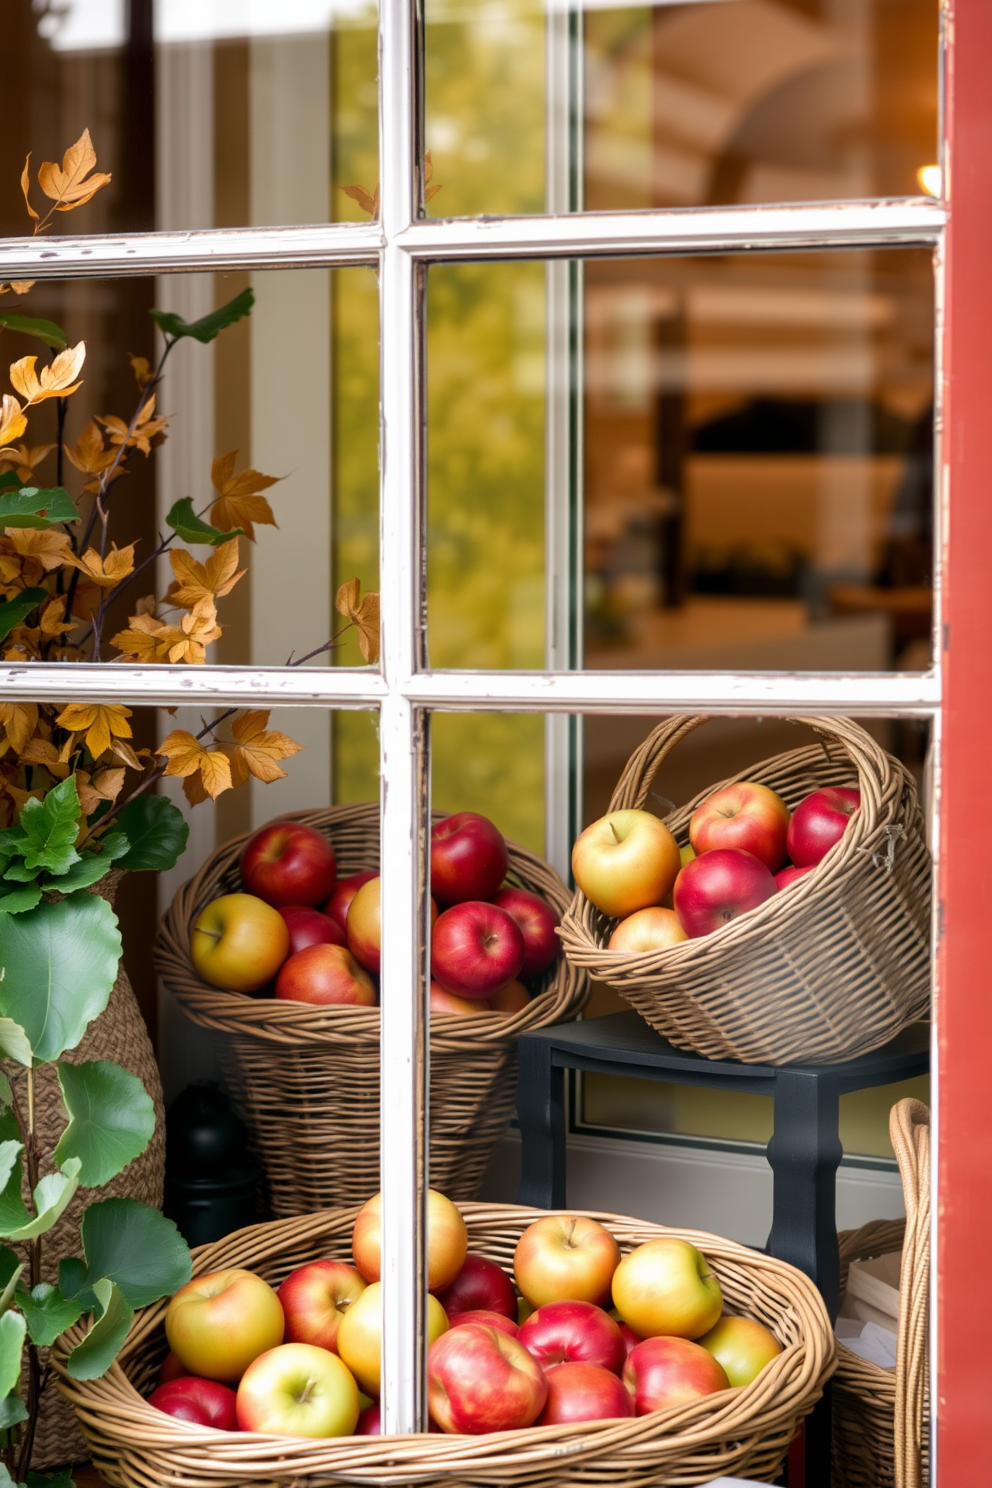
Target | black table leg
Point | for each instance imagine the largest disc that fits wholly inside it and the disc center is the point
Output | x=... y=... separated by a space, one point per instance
x=541 y=1113
x=804 y=1155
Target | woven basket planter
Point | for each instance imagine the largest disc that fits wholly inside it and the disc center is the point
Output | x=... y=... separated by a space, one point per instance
x=306 y=1078
x=881 y=1416
x=832 y=968
x=737 y=1431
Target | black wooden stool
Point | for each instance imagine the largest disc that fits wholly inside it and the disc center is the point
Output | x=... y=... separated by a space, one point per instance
x=804 y=1152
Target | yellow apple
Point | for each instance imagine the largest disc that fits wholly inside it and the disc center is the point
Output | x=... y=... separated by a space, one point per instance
x=238 y=942
x=219 y=1323
x=625 y=861
x=447 y=1240
x=360 y=1335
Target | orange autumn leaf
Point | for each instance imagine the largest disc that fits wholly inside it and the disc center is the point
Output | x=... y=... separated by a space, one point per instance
x=196 y=581
x=89 y=455
x=23 y=460
x=106 y=572
x=19 y=722
x=57 y=379
x=53 y=621
x=102 y=785
x=256 y=750
x=146 y=639
x=69 y=185
x=367 y=200
x=43 y=752
x=239 y=503
x=196 y=631
x=363 y=614
x=147 y=431
x=189 y=758
x=12 y=421
x=100 y=722
x=142 y=369
x=26 y=188
x=49 y=549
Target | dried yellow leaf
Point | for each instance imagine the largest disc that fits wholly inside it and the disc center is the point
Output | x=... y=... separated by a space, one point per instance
x=19 y=721
x=106 y=572
x=68 y=186
x=363 y=614
x=24 y=460
x=256 y=750
x=211 y=580
x=12 y=421
x=100 y=722
x=56 y=380
x=188 y=757
x=239 y=503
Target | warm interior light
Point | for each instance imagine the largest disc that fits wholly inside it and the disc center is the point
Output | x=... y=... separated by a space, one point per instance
x=929 y=178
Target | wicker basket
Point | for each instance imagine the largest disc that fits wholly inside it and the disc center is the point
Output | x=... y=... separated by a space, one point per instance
x=833 y=968
x=745 y=1431
x=306 y=1079
x=880 y=1416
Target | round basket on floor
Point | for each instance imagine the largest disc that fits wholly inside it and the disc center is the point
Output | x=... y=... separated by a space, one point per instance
x=832 y=967
x=744 y=1431
x=881 y=1416
x=306 y=1079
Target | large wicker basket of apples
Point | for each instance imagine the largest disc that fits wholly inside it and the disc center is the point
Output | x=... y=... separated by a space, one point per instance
x=265 y=1367
x=275 y=944
x=780 y=916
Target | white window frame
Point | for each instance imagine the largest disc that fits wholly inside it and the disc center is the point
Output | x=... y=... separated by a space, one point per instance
x=401 y=246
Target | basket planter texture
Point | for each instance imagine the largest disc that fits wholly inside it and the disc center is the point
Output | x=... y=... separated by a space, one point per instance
x=881 y=1416
x=831 y=968
x=306 y=1079
x=744 y=1431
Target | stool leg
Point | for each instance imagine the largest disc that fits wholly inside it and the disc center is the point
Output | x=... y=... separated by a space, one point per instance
x=541 y=1113
x=804 y=1155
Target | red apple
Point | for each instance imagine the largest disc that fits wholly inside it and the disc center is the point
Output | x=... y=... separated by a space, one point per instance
x=584 y=1392
x=202 y=1402
x=370 y=1421
x=667 y=1286
x=218 y=1323
x=537 y=921
x=238 y=942
x=340 y=901
x=446 y=1002
x=743 y=1346
x=481 y=1380
x=476 y=949
x=652 y=929
x=326 y=976
x=512 y=998
x=171 y=1369
x=288 y=863
x=661 y=1372
x=364 y=927
x=743 y=815
x=468 y=858
x=573 y=1333
x=715 y=888
x=819 y=821
x=315 y=1298
x=630 y=1338
x=785 y=877
x=309 y=927
x=625 y=861
x=447 y=1240
x=480 y=1284
x=485 y=1319
x=298 y=1390
x=565 y=1258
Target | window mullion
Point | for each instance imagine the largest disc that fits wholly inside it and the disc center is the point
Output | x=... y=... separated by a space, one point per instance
x=403 y=753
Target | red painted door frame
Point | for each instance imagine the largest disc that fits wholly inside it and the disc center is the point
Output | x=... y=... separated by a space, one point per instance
x=961 y=1397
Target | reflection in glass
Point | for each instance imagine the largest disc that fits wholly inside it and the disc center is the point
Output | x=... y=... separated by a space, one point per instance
x=206 y=115
x=683 y=105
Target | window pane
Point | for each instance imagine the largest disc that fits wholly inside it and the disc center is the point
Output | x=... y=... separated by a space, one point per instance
x=681 y=105
x=267 y=432
x=221 y=115
x=755 y=478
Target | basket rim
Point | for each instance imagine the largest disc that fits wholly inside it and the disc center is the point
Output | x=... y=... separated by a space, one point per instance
x=284 y=1021
x=788 y=1386
x=580 y=941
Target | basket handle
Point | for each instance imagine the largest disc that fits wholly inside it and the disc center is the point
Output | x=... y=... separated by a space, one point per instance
x=878 y=781
x=909 y=1128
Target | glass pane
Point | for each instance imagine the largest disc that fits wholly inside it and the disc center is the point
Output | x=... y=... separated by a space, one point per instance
x=267 y=431
x=221 y=115
x=706 y=103
x=755 y=486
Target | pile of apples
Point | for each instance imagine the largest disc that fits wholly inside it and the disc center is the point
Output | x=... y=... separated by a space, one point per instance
x=744 y=846
x=305 y=1360
x=310 y=937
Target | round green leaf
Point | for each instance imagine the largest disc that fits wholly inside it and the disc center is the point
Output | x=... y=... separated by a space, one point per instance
x=105 y=1339
x=111 y=1119
x=60 y=964
x=12 y=1330
x=47 y=1313
x=156 y=831
x=136 y=1247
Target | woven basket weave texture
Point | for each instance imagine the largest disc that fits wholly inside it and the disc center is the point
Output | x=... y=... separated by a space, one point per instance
x=831 y=968
x=306 y=1079
x=744 y=1431
x=881 y=1416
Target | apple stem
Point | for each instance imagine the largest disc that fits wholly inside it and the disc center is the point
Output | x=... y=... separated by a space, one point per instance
x=616 y=834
